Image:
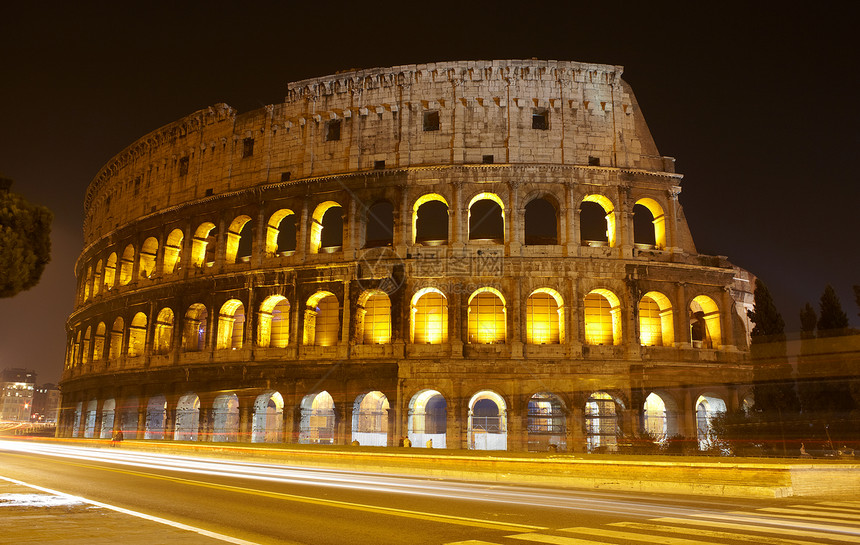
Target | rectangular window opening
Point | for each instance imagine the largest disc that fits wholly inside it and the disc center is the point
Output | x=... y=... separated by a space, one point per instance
x=540 y=119
x=183 y=166
x=247 y=147
x=487 y=159
x=378 y=165
x=285 y=176
x=431 y=121
x=332 y=130
x=593 y=161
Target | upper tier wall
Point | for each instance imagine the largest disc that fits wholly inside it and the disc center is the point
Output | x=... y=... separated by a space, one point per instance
x=485 y=108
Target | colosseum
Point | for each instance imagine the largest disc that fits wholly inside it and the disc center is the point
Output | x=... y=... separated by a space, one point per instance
x=470 y=255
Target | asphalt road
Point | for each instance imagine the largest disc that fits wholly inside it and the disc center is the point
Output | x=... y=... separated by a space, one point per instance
x=262 y=503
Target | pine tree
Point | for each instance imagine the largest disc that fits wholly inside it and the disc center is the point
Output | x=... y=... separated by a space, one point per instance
x=832 y=320
x=808 y=319
x=25 y=241
x=769 y=325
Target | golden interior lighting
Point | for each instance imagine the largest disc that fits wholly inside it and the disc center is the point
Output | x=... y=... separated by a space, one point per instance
x=487 y=317
x=317 y=225
x=429 y=317
x=148 y=252
x=711 y=333
x=273 y=230
x=234 y=236
x=231 y=325
x=126 y=265
x=173 y=251
x=659 y=221
x=423 y=199
x=544 y=317
x=137 y=335
x=602 y=318
x=609 y=208
x=199 y=246
x=377 y=319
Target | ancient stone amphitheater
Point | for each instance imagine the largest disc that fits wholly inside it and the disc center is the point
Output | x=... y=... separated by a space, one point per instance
x=485 y=255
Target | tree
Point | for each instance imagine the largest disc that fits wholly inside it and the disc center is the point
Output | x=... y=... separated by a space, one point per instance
x=769 y=325
x=832 y=320
x=808 y=319
x=25 y=241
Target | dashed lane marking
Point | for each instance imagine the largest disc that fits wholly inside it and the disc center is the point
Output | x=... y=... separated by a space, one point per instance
x=554 y=540
x=632 y=536
x=769 y=540
x=793 y=532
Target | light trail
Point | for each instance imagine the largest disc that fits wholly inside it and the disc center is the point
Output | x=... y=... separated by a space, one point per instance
x=596 y=502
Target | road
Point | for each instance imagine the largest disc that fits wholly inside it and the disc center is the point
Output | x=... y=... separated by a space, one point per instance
x=266 y=504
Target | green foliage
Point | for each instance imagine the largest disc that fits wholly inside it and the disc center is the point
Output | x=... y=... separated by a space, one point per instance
x=25 y=242
x=769 y=325
x=808 y=319
x=833 y=320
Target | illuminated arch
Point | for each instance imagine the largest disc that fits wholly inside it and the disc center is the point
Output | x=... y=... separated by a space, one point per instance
x=601 y=422
x=156 y=417
x=705 y=323
x=225 y=418
x=370 y=419
x=419 y=229
x=90 y=421
x=148 y=253
x=238 y=240
x=656 y=321
x=547 y=426
x=317 y=425
x=322 y=319
x=658 y=221
x=88 y=282
x=487 y=316
x=173 y=251
x=317 y=224
x=85 y=351
x=490 y=197
x=609 y=209
x=116 y=335
x=231 y=325
x=660 y=416
x=108 y=416
x=268 y=418
x=187 y=418
x=99 y=343
x=195 y=327
x=97 y=277
x=273 y=232
x=373 y=317
x=544 y=317
x=428 y=419
x=429 y=317
x=273 y=324
x=487 y=421
x=602 y=318
x=137 y=335
x=202 y=244
x=163 y=331
x=126 y=265
x=708 y=406
x=110 y=272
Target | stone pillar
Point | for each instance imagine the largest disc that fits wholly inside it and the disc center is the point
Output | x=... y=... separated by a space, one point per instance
x=221 y=246
x=456 y=324
x=402 y=223
x=141 y=420
x=302 y=233
x=170 y=420
x=517 y=423
x=726 y=321
x=517 y=319
x=682 y=317
x=290 y=421
x=258 y=246
x=349 y=241
x=514 y=220
x=625 y=222
x=672 y=242
x=575 y=428
x=574 y=241
x=688 y=416
x=246 y=414
x=97 y=424
x=459 y=218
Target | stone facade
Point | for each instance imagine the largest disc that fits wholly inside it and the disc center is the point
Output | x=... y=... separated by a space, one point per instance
x=202 y=315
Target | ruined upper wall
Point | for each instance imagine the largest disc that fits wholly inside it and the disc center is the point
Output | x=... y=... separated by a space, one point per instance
x=485 y=108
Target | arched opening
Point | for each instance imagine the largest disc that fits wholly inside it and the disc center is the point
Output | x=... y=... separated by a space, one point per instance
x=90 y=419
x=660 y=416
x=597 y=221
x=322 y=320
x=373 y=317
x=544 y=317
x=379 y=225
x=116 y=334
x=76 y=350
x=707 y=407
x=370 y=419
x=163 y=331
x=487 y=218
x=429 y=324
x=231 y=326
x=85 y=356
x=704 y=323
x=187 y=418
x=126 y=265
x=281 y=233
x=428 y=420
x=602 y=318
x=87 y=283
x=487 y=323
x=601 y=423
x=268 y=418
x=225 y=418
x=99 y=343
x=541 y=223
x=194 y=329
x=203 y=245
x=547 y=428
x=173 y=251
x=110 y=272
x=317 y=424
x=97 y=277
x=76 y=426
x=649 y=224
x=273 y=324
x=430 y=220
x=656 y=322
x=128 y=415
x=487 y=422
x=326 y=228
x=137 y=335
x=108 y=415
x=148 y=253
x=156 y=417
x=239 y=239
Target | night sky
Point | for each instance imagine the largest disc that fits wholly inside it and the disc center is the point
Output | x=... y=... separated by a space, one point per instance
x=759 y=107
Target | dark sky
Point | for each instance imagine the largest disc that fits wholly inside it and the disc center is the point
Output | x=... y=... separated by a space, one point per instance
x=759 y=107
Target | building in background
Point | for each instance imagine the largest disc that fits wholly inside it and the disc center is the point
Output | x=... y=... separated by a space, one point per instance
x=46 y=404
x=17 y=387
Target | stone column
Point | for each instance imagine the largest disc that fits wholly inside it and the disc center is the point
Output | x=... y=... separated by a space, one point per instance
x=97 y=424
x=402 y=223
x=141 y=419
x=672 y=242
x=575 y=428
x=258 y=246
x=459 y=218
x=246 y=414
x=514 y=220
x=682 y=319
x=517 y=319
x=726 y=322
x=302 y=230
x=221 y=246
x=573 y=242
x=625 y=222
